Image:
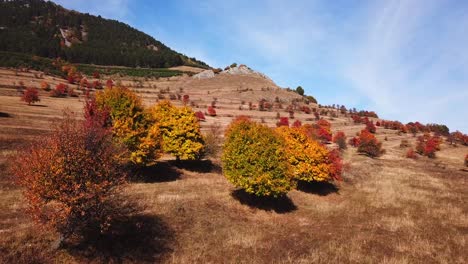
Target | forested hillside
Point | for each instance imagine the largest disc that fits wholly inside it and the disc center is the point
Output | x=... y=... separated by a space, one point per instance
x=49 y=30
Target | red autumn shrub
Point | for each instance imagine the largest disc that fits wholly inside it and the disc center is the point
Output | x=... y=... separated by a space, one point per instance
x=30 y=96
x=96 y=75
x=427 y=145
x=97 y=85
x=356 y=119
x=69 y=177
x=377 y=123
x=71 y=79
x=109 y=83
x=306 y=109
x=411 y=154
x=59 y=91
x=297 y=123
x=340 y=140
x=211 y=111
x=354 y=141
x=316 y=115
x=283 y=121
x=323 y=131
x=369 y=145
x=336 y=170
x=185 y=99
x=200 y=116
x=371 y=127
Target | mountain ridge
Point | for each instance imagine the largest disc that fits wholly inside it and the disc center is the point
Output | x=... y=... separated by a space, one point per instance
x=46 y=29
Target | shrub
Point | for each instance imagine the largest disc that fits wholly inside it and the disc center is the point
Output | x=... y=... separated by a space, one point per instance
x=354 y=141
x=69 y=175
x=297 y=123
x=371 y=127
x=369 y=145
x=283 y=121
x=180 y=130
x=109 y=83
x=211 y=111
x=131 y=125
x=59 y=91
x=200 y=116
x=411 y=154
x=30 y=96
x=45 y=86
x=254 y=160
x=466 y=160
x=427 y=145
x=340 y=140
x=309 y=160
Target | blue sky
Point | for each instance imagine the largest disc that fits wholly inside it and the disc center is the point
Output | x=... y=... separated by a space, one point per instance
x=406 y=60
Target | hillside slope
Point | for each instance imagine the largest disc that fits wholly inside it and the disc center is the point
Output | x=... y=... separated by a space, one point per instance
x=46 y=29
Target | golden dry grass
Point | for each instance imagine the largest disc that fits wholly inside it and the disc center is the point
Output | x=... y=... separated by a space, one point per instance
x=387 y=210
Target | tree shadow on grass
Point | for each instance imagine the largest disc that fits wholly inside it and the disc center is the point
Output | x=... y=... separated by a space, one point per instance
x=3 y=114
x=200 y=166
x=38 y=105
x=319 y=188
x=280 y=205
x=162 y=171
x=132 y=237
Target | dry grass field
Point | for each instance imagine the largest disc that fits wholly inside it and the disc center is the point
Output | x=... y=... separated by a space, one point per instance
x=386 y=210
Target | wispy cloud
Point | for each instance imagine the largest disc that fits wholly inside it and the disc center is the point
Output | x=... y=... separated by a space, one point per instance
x=405 y=59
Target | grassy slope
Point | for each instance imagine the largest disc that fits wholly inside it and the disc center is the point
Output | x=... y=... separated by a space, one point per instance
x=390 y=209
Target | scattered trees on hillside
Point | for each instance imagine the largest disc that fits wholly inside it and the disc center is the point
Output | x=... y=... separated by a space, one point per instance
x=254 y=160
x=30 y=96
x=69 y=176
x=180 y=130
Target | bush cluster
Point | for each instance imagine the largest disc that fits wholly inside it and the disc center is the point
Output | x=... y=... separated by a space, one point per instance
x=268 y=162
x=340 y=140
x=427 y=145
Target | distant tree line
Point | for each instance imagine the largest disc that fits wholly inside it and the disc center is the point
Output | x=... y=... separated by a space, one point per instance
x=33 y=26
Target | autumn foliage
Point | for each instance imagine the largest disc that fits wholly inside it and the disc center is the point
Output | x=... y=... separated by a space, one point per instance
x=369 y=145
x=30 y=96
x=254 y=159
x=211 y=111
x=180 y=130
x=340 y=140
x=283 y=121
x=310 y=161
x=69 y=175
x=427 y=145
x=131 y=125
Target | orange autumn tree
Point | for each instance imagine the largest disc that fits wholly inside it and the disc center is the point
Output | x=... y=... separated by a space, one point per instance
x=131 y=125
x=254 y=159
x=310 y=161
x=69 y=176
x=369 y=145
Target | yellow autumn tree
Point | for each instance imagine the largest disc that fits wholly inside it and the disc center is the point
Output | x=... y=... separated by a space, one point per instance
x=254 y=159
x=131 y=125
x=310 y=161
x=180 y=130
